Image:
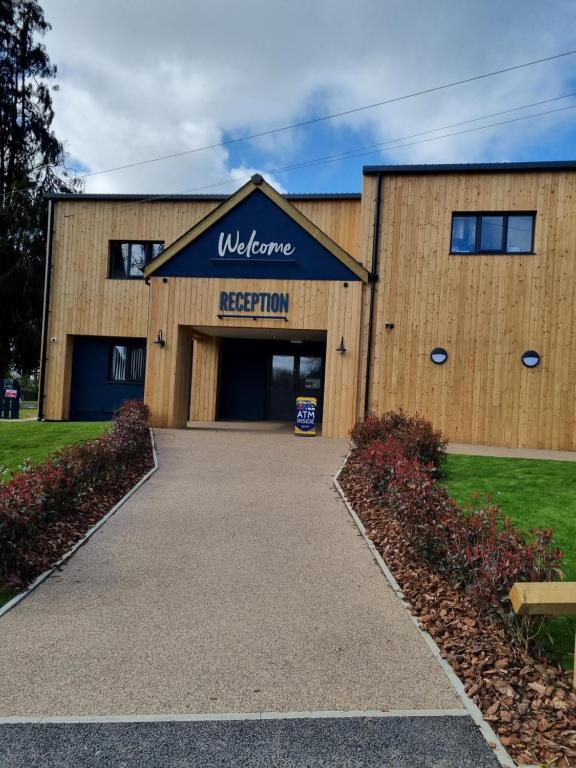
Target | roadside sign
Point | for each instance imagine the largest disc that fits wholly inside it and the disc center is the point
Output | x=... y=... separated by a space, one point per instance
x=9 y=399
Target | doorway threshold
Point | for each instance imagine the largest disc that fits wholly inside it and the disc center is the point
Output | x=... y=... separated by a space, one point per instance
x=281 y=427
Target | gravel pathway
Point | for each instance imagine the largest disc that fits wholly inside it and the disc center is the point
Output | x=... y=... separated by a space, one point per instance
x=232 y=581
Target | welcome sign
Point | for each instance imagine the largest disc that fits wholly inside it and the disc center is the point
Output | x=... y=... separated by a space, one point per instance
x=231 y=245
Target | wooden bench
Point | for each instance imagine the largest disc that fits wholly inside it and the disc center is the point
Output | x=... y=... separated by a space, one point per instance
x=545 y=598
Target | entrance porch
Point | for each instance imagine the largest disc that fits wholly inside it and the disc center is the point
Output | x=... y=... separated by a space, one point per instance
x=239 y=374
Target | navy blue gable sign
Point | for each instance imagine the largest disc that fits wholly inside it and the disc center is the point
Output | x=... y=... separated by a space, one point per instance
x=256 y=240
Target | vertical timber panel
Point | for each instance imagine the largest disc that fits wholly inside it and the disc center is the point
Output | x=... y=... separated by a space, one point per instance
x=205 y=379
x=486 y=309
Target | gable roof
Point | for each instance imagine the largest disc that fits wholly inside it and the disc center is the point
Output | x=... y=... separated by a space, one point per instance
x=257 y=183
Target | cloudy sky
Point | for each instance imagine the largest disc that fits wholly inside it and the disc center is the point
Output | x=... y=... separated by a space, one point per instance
x=141 y=79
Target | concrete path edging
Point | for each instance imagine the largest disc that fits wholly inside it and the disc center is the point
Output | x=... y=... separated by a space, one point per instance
x=502 y=452
x=65 y=557
x=474 y=711
x=224 y=716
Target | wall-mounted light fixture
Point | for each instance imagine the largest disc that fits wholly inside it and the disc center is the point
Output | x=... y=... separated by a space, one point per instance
x=389 y=326
x=531 y=359
x=439 y=355
x=160 y=340
x=342 y=349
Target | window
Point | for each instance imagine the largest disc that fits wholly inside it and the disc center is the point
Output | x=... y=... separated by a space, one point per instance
x=127 y=361
x=128 y=258
x=492 y=233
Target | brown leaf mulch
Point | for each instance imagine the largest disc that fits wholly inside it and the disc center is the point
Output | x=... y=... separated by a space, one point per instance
x=529 y=701
x=54 y=540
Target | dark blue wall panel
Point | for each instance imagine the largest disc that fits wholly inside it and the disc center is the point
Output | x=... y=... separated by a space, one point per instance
x=309 y=260
x=243 y=380
x=93 y=396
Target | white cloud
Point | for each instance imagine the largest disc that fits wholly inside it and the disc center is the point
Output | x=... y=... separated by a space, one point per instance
x=139 y=80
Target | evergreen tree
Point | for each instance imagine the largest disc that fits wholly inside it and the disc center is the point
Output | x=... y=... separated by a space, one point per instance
x=30 y=156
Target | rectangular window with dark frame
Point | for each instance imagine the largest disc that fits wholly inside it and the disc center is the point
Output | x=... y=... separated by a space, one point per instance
x=493 y=233
x=127 y=361
x=129 y=257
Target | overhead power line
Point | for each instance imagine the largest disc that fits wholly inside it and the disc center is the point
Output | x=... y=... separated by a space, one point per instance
x=395 y=143
x=332 y=116
x=350 y=154
x=373 y=148
x=311 y=121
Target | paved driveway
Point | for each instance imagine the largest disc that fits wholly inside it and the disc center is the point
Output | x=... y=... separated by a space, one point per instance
x=233 y=581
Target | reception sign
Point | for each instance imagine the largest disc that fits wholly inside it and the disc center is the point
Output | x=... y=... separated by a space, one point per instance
x=305 y=416
x=256 y=304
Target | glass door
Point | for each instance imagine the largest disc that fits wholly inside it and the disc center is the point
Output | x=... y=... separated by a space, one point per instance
x=294 y=376
x=310 y=384
x=281 y=393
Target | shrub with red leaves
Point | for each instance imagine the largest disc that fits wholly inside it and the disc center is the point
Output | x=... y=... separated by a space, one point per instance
x=416 y=435
x=384 y=459
x=480 y=549
x=64 y=487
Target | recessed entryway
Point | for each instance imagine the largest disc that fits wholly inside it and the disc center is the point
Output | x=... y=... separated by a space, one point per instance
x=260 y=379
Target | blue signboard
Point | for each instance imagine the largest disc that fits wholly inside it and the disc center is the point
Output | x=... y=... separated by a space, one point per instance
x=256 y=240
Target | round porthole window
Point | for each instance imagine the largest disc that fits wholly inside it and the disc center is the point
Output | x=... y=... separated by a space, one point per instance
x=438 y=355
x=530 y=359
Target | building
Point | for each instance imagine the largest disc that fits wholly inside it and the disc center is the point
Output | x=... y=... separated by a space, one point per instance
x=443 y=290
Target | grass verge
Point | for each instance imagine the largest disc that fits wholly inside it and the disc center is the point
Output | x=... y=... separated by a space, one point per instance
x=35 y=440
x=534 y=494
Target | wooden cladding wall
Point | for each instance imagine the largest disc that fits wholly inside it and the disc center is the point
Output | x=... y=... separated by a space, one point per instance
x=193 y=302
x=204 y=393
x=486 y=310
x=85 y=302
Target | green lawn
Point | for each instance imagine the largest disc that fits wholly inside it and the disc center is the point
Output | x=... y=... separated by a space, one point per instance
x=533 y=494
x=28 y=413
x=34 y=440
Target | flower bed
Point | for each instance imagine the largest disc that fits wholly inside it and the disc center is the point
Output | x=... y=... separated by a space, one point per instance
x=456 y=570
x=44 y=510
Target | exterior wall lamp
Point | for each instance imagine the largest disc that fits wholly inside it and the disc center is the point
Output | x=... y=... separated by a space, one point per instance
x=439 y=355
x=160 y=340
x=531 y=359
x=342 y=349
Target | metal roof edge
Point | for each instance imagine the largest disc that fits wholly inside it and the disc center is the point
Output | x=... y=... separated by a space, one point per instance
x=544 y=165
x=122 y=197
